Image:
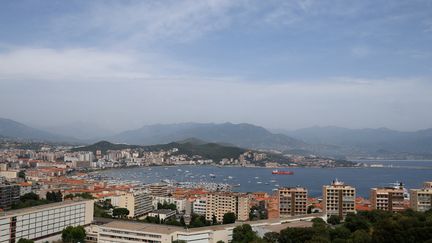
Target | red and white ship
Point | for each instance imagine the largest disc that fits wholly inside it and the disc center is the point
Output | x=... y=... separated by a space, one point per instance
x=277 y=172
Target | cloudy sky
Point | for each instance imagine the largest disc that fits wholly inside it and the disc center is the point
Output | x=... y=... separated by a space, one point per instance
x=280 y=64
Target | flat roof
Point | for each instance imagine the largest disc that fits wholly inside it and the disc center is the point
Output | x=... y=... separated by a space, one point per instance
x=272 y=224
x=142 y=227
x=40 y=207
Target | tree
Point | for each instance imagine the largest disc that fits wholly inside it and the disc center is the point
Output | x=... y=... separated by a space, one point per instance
x=361 y=236
x=354 y=222
x=229 y=218
x=182 y=221
x=244 y=234
x=120 y=212
x=271 y=237
x=214 y=220
x=73 y=234
x=333 y=220
x=54 y=196
x=22 y=174
x=25 y=241
x=29 y=196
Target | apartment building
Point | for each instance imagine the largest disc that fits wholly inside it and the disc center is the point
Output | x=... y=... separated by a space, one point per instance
x=388 y=199
x=37 y=223
x=9 y=194
x=421 y=199
x=138 y=204
x=199 y=206
x=220 y=203
x=158 y=190
x=180 y=203
x=292 y=201
x=273 y=211
x=338 y=199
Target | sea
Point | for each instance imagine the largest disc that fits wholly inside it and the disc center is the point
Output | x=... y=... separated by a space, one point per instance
x=249 y=179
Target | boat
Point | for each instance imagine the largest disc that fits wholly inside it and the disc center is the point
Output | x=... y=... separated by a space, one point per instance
x=278 y=172
x=212 y=175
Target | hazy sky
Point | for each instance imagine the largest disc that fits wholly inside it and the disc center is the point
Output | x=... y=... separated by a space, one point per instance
x=281 y=64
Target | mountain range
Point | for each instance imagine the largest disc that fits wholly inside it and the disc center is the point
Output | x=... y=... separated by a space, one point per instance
x=328 y=141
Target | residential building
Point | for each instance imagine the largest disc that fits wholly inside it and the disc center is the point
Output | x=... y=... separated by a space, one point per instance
x=273 y=211
x=199 y=206
x=220 y=203
x=421 y=199
x=338 y=199
x=387 y=199
x=138 y=204
x=162 y=213
x=180 y=203
x=39 y=222
x=159 y=190
x=292 y=201
x=9 y=194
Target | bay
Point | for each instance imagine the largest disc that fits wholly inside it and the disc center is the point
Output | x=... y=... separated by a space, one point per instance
x=411 y=173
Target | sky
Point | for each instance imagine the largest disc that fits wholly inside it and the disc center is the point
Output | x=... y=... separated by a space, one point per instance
x=280 y=64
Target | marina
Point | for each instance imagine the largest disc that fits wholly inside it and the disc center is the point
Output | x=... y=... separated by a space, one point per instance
x=261 y=179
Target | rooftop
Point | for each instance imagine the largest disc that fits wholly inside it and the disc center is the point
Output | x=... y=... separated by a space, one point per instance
x=41 y=207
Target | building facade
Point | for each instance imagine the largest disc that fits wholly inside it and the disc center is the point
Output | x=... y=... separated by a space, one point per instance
x=292 y=201
x=338 y=199
x=36 y=223
x=138 y=204
x=9 y=194
x=421 y=199
x=388 y=199
x=220 y=203
x=199 y=206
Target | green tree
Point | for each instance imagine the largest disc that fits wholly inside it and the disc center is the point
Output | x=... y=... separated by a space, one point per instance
x=120 y=212
x=22 y=174
x=214 y=220
x=271 y=237
x=29 y=196
x=354 y=222
x=73 y=234
x=340 y=233
x=25 y=241
x=244 y=234
x=296 y=235
x=361 y=236
x=333 y=220
x=229 y=218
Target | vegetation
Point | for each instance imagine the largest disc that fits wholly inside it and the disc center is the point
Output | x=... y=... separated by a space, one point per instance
x=25 y=241
x=257 y=213
x=120 y=212
x=22 y=175
x=166 y=205
x=206 y=150
x=54 y=196
x=229 y=218
x=244 y=234
x=29 y=200
x=333 y=219
x=198 y=221
x=84 y=195
x=73 y=234
x=100 y=211
x=364 y=227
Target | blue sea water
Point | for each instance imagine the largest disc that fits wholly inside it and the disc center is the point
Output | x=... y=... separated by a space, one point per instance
x=411 y=173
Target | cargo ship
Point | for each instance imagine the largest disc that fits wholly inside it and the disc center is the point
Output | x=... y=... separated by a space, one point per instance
x=277 y=172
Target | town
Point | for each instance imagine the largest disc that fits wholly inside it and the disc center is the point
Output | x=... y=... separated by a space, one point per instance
x=48 y=191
